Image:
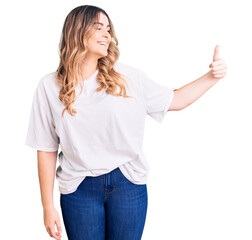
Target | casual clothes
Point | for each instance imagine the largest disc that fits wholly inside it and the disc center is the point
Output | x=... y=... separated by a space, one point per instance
x=107 y=131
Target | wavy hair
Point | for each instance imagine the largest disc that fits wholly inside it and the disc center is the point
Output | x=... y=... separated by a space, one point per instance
x=77 y=29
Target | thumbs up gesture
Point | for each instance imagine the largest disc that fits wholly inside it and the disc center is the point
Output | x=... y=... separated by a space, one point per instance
x=218 y=65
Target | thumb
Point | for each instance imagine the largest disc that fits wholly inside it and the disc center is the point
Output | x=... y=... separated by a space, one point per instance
x=216 y=53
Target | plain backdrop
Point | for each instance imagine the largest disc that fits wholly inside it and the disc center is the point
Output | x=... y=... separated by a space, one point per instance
x=199 y=185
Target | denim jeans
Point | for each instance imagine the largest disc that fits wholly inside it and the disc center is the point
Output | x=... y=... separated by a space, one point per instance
x=105 y=207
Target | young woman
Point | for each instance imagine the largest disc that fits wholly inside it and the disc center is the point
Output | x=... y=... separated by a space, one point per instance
x=94 y=108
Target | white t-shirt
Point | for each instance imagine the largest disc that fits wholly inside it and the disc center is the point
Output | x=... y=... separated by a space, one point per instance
x=107 y=131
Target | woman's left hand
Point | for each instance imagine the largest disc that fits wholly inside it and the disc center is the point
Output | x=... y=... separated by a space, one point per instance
x=219 y=67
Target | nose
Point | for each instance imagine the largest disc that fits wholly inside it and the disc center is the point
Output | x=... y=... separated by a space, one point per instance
x=106 y=34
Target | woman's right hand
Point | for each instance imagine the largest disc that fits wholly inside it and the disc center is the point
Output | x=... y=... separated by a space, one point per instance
x=51 y=217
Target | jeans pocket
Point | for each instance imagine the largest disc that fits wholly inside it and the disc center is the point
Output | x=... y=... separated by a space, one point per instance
x=124 y=178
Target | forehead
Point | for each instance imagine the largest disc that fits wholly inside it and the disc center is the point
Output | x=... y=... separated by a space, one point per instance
x=102 y=20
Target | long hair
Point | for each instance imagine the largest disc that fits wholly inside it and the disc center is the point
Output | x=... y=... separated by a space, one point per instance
x=77 y=29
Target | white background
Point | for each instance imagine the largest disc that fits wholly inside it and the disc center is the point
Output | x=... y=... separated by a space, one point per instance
x=199 y=185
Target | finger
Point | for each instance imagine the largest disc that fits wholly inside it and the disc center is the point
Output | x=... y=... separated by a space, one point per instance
x=49 y=231
x=223 y=69
x=219 y=67
x=219 y=70
x=218 y=76
x=53 y=233
x=58 y=225
x=218 y=73
x=218 y=62
x=216 y=53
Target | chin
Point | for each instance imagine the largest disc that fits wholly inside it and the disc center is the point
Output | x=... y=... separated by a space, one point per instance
x=104 y=55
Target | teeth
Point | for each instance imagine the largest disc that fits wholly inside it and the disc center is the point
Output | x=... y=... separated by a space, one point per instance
x=103 y=44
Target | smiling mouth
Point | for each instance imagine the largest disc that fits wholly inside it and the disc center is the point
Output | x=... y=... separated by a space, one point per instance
x=103 y=43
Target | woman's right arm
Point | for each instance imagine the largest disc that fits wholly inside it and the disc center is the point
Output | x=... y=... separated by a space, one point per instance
x=46 y=172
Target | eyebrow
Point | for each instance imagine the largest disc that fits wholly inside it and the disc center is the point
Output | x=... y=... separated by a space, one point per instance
x=101 y=24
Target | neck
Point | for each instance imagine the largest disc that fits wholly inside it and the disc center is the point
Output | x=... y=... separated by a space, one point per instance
x=88 y=67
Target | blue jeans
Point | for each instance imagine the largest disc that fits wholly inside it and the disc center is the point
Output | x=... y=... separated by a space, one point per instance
x=106 y=207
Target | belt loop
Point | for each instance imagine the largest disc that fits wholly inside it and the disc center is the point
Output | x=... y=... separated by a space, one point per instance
x=104 y=177
x=115 y=173
x=114 y=177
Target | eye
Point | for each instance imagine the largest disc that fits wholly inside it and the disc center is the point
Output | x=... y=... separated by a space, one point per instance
x=100 y=28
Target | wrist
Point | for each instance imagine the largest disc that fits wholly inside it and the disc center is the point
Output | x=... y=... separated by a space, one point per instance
x=48 y=207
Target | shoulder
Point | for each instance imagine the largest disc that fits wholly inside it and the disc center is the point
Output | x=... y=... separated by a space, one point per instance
x=128 y=70
x=48 y=82
x=47 y=88
x=49 y=78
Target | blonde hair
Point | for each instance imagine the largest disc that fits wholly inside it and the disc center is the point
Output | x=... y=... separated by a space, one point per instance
x=77 y=29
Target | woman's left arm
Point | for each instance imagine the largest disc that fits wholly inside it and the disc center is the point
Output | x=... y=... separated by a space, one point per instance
x=189 y=93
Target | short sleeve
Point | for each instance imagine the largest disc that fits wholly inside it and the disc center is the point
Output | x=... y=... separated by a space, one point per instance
x=41 y=133
x=157 y=97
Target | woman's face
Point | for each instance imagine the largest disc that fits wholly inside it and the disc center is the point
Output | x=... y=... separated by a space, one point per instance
x=101 y=35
